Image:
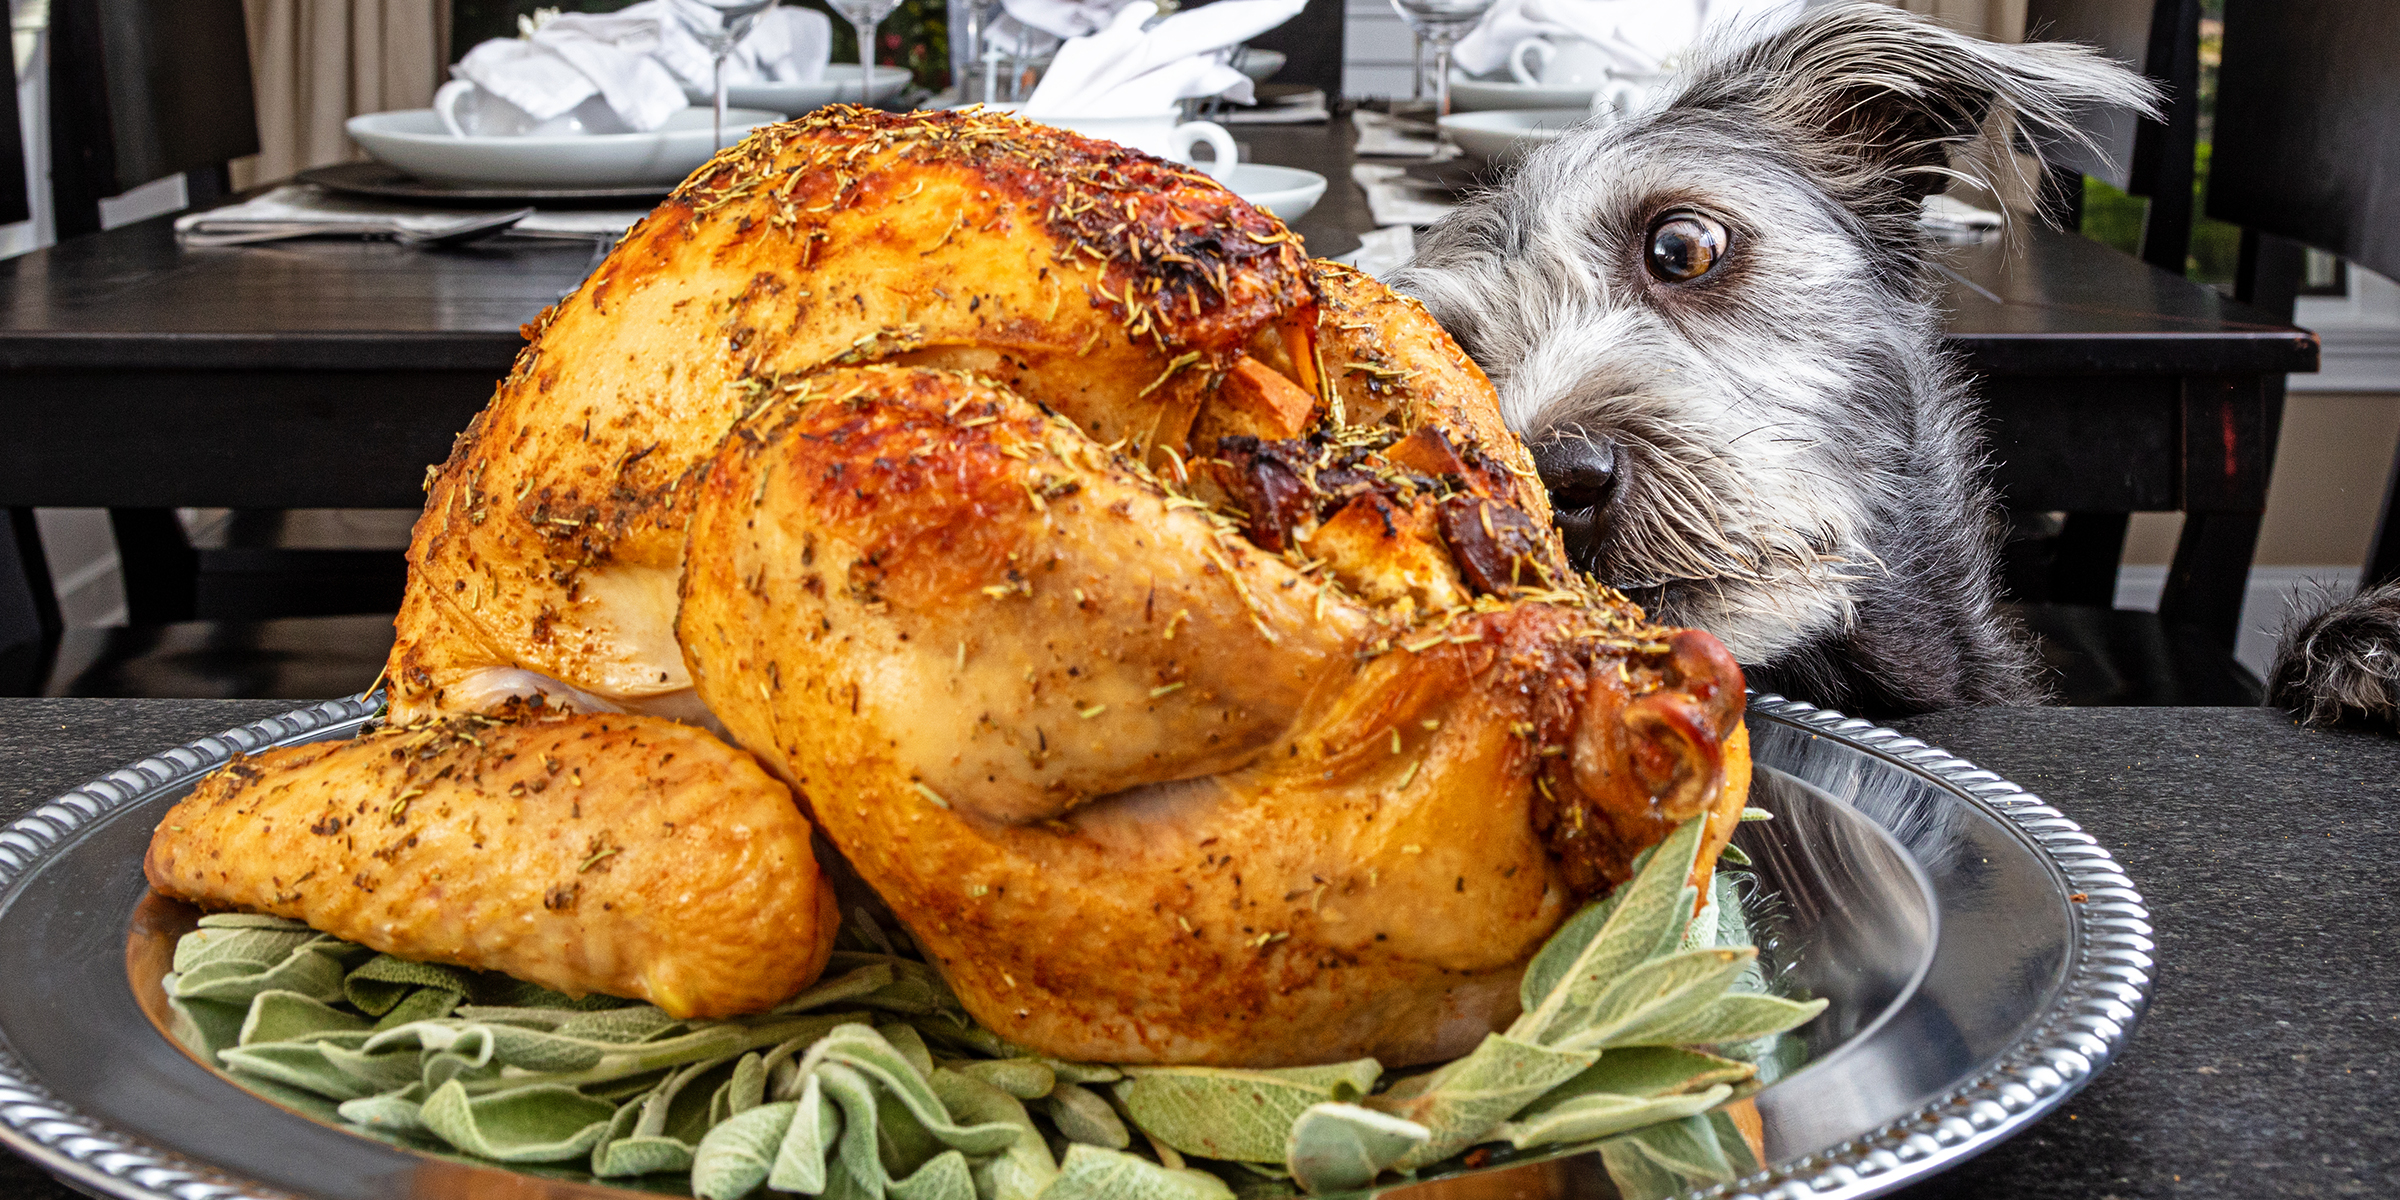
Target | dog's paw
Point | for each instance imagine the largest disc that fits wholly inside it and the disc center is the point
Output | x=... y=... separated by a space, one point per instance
x=2339 y=664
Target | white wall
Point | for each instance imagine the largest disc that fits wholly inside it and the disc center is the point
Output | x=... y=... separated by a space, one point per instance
x=1378 y=51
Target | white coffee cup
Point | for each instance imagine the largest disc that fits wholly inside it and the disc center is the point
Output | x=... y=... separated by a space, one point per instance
x=466 y=110
x=1155 y=133
x=1623 y=91
x=1569 y=62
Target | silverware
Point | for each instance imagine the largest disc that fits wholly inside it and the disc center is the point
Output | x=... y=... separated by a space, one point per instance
x=455 y=233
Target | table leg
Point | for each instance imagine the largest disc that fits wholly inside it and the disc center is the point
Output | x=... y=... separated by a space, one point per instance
x=29 y=620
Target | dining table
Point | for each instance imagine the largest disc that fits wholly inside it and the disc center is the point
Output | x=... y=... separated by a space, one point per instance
x=136 y=372
x=2267 y=1062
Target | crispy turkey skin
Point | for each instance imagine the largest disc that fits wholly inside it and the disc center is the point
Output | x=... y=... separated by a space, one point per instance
x=1165 y=625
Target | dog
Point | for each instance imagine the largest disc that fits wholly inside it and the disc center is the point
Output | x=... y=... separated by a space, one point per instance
x=1714 y=323
x=2338 y=661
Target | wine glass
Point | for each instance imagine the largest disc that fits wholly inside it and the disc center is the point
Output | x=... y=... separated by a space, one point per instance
x=1441 y=23
x=864 y=16
x=967 y=54
x=720 y=25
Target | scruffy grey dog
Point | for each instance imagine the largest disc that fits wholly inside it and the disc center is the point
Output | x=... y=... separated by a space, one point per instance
x=1714 y=322
x=2339 y=663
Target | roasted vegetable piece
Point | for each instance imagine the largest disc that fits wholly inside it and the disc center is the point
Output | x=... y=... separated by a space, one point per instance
x=588 y=853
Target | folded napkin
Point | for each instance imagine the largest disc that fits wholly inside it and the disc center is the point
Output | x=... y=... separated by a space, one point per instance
x=1642 y=36
x=1384 y=136
x=640 y=60
x=1127 y=70
x=1382 y=251
x=308 y=204
x=1395 y=199
x=1301 y=108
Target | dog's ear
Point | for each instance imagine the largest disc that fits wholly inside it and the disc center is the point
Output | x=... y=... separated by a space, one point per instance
x=1889 y=108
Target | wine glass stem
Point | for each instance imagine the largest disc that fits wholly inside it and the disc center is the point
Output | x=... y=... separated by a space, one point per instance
x=1441 y=78
x=718 y=125
x=1419 y=92
x=866 y=62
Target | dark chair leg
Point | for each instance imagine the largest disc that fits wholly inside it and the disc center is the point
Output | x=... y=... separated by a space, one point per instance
x=29 y=620
x=2083 y=564
x=159 y=565
x=2211 y=574
x=2383 y=554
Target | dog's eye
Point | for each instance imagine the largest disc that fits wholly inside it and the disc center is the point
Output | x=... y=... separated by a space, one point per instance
x=1685 y=246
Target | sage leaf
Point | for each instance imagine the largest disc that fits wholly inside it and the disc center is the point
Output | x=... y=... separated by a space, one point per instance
x=1087 y=1073
x=800 y=1157
x=849 y=986
x=383 y=981
x=1645 y=1003
x=1692 y=1148
x=541 y=1122
x=308 y=971
x=905 y=1039
x=1092 y=1173
x=1646 y=917
x=260 y=945
x=1600 y=1114
x=1340 y=1147
x=1460 y=1103
x=205 y=1027
x=738 y=1155
x=1021 y=1171
x=292 y=1017
x=305 y=1065
x=1649 y=1071
x=1247 y=1115
x=392 y=1112
x=1731 y=1017
x=424 y=1004
x=641 y=1156
x=944 y=1177
x=1023 y=1078
x=1080 y=1115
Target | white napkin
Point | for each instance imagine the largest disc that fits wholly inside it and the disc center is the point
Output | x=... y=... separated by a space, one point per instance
x=1643 y=36
x=1125 y=70
x=572 y=58
x=307 y=204
x=788 y=44
x=1383 y=136
x=639 y=61
x=1395 y=199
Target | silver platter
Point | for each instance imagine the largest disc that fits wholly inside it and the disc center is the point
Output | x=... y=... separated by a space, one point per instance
x=1982 y=955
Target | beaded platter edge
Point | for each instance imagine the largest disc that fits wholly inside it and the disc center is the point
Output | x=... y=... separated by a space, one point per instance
x=2108 y=985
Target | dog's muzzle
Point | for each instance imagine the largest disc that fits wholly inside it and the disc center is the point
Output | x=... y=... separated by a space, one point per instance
x=1581 y=470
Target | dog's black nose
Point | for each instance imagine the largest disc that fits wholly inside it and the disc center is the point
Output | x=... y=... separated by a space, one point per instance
x=1581 y=470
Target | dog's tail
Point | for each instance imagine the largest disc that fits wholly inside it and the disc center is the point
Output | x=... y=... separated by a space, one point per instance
x=2339 y=661
x=1900 y=106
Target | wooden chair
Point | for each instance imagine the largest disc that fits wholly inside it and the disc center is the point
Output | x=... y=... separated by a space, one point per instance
x=2307 y=140
x=142 y=90
x=2067 y=580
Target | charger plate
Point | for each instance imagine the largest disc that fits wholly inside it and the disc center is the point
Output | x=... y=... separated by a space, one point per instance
x=1982 y=955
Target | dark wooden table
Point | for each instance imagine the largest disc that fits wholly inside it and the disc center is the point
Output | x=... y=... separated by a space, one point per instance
x=2267 y=1065
x=328 y=374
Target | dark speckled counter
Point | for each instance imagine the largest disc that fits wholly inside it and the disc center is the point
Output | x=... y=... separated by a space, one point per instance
x=2269 y=1064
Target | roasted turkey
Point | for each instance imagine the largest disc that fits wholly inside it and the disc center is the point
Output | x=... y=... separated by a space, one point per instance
x=1163 y=624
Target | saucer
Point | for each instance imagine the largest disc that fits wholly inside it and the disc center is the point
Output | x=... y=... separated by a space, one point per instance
x=414 y=141
x=1469 y=94
x=1287 y=192
x=1504 y=137
x=840 y=84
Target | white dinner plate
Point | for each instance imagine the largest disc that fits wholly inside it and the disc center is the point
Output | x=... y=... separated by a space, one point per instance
x=1287 y=192
x=413 y=140
x=791 y=99
x=1508 y=135
x=1469 y=94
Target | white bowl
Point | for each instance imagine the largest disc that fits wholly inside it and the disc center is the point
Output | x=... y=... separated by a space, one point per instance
x=1508 y=135
x=839 y=85
x=1287 y=192
x=1469 y=94
x=1261 y=65
x=413 y=140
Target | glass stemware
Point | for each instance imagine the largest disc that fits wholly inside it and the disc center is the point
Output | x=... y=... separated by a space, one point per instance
x=864 y=16
x=720 y=25
x=1441 y=23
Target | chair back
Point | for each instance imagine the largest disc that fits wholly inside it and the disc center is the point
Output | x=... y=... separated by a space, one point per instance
x=140 y=90
x=2145 y=157
x=15 y=204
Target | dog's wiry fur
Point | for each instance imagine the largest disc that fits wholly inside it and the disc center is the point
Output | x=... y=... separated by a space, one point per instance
x=2338 y=662
x=1797 y=469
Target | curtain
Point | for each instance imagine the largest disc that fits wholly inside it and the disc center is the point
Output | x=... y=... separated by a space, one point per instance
x=1998 y=20
x=316 y=63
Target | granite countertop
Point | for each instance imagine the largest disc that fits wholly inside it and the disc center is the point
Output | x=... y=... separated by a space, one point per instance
x=2269 y=1062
